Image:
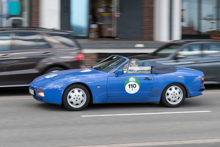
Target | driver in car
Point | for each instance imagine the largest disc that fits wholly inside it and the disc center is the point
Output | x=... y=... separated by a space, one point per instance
x=134 y=64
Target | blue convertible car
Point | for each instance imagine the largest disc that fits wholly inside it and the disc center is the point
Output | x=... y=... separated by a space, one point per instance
x=119 y=79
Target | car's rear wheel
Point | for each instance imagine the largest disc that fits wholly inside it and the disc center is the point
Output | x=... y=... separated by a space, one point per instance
x=54 y=69
x=173 y=95
x=76 y=97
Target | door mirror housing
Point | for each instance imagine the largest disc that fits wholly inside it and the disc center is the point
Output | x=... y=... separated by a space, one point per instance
x=179 y=56
x=119 y=72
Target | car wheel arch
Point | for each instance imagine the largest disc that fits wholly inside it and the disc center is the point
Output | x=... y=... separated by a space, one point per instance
x=185 y=88
x=90 y=92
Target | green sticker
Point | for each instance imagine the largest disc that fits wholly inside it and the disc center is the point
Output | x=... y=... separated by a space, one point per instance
x=132 y=85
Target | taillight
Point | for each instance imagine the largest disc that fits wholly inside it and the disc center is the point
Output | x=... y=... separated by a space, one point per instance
x=79 y=57
x=202 y=80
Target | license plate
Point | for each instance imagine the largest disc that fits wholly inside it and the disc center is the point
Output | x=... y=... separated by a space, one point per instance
x=31 y=91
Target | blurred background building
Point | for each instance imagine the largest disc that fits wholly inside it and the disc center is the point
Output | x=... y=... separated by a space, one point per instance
x=159 y=20
x=19 y=13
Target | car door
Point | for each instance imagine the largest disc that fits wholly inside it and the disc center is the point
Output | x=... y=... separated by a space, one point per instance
x=132 y=86
x=5 y=46
x=28 y=49
x=210 y=62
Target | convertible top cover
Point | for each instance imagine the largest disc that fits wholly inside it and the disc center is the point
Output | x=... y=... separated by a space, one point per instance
x=158 y=68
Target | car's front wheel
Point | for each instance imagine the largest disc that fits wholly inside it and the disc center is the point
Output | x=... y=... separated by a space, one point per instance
x=173 y=95
x=76 y=97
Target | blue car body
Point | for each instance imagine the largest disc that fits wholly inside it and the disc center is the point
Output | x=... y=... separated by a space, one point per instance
x=109 y=88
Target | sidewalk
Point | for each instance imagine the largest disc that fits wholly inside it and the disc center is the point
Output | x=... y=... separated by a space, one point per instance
x=108 y=43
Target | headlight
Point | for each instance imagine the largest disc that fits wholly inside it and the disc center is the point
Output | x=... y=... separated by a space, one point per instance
x=40 y=92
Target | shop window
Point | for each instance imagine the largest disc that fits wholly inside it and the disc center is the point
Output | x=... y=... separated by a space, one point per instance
x=94 y=18
x=103 y=19
x=79 y=17
x=190 y=21
x=200 y=18
x=208 y=16
x=15 y=13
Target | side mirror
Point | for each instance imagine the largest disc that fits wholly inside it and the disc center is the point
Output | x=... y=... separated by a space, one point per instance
x=119 y=72
x=179 y=56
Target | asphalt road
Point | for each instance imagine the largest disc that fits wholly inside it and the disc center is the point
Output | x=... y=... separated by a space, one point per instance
x=25 y=122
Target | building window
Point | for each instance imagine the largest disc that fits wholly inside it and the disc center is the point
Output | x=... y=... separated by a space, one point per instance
x=79 y=17
x=190 y=21
x=208 y=16
x=14 y=13
x=199 y=18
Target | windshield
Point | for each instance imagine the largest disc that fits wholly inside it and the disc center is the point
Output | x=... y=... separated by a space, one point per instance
x=167 y=50
x=109 y=63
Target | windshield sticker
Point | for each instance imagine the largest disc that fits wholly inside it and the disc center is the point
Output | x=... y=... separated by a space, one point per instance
x=86 y=70
x=132 y=85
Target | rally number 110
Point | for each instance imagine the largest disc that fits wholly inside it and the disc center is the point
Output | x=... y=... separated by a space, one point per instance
x=132 y=85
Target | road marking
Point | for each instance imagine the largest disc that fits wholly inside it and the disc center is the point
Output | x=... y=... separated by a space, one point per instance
x=14 y=98
x=155 y=113
x=167 y=143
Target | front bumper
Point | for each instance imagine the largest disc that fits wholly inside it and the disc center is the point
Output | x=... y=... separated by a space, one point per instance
x=35 y=96
x=53 y=96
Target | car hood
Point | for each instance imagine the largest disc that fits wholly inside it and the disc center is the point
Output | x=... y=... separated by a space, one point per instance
x=64 y=75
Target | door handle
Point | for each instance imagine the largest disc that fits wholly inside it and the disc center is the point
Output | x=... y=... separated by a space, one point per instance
x=147 y=78
x=4 y=56
x=46 y=53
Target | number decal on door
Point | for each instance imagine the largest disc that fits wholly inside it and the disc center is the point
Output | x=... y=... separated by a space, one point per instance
x=132 y=85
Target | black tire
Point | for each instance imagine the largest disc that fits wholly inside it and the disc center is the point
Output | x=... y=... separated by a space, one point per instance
x=66 y=102
x=168 y=102
x=53 y=69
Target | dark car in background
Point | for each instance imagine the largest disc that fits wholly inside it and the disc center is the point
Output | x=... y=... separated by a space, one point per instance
x=26 y=53
x=203 y=55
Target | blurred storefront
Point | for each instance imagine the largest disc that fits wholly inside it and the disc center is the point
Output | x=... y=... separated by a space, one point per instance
x=159 y=20
x=103 y=18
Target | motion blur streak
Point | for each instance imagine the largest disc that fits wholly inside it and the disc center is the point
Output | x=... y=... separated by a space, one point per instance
x=185 y=142
x=158 y=113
